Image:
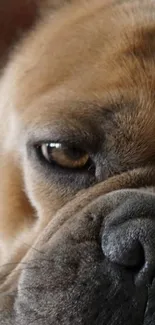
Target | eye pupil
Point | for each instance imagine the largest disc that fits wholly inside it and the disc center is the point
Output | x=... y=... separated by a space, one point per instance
x=74 y=153
x=64 y=156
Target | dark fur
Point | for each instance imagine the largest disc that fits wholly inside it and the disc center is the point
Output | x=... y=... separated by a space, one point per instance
x=78 y=247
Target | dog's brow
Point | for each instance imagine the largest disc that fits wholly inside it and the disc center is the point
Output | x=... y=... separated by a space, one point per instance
x=82 y=123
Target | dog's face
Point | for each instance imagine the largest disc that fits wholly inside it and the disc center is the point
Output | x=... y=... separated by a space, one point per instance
x=77 y=121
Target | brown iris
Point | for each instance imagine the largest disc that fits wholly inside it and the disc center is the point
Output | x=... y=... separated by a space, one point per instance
x=64 y=156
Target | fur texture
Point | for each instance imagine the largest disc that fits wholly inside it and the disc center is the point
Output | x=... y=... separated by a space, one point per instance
x=77 y=247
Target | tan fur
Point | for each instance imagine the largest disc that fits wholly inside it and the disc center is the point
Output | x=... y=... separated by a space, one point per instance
x=65 y=70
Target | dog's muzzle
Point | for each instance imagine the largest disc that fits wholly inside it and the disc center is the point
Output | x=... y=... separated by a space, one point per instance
x=97 y=268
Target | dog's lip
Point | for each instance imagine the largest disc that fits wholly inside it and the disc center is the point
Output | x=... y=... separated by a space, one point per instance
x=130 y=286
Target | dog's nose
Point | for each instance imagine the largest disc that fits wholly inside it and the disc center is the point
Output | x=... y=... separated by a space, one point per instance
x=128 y=239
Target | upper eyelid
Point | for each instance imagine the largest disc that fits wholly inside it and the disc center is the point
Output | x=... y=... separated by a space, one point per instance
x=56 y=144
x=49 y=134
x=52 y=144
x=82 y=141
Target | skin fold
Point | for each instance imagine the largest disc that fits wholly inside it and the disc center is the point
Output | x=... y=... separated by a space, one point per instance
x=77 y=245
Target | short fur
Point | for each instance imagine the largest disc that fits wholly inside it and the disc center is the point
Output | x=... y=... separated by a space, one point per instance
x=82 y=72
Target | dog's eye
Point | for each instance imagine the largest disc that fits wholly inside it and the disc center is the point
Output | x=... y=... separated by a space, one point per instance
x=67 y=157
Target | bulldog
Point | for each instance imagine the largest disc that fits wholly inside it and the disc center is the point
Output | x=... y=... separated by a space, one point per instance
x=77 y=162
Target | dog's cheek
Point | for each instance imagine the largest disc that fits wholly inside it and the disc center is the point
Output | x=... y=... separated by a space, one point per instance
x=45 y=196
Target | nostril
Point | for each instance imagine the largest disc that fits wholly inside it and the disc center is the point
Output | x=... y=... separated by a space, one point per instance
x=135 y=258
x=131 y=245
x=122 y=249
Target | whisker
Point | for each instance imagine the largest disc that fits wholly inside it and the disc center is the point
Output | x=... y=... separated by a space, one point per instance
x=34 y=248
x=23 y=263
x=16 y=271
x=12 y=264
x=37 y=319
